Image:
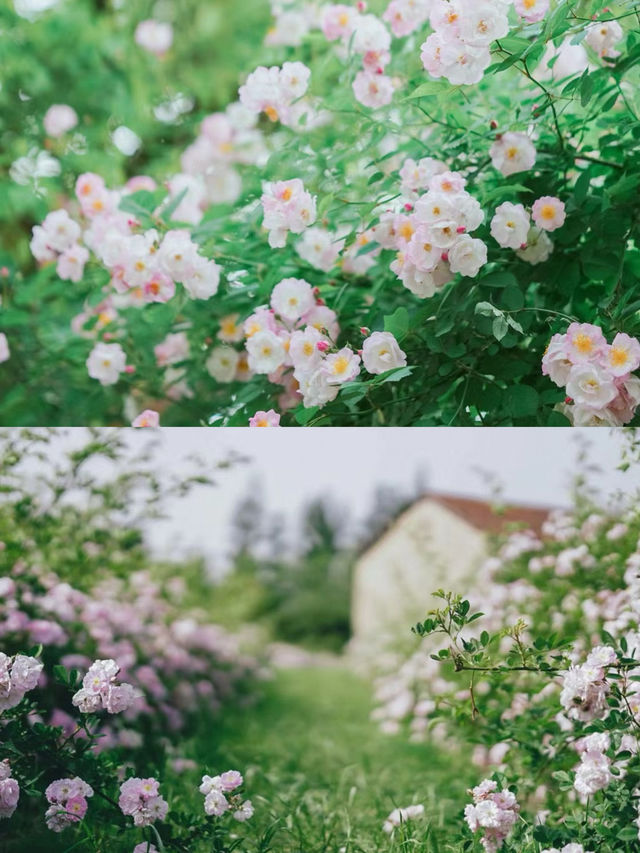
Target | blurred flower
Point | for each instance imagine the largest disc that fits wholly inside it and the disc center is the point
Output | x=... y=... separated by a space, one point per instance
x=30 y=9
x=33 y=166
x=125 y=140
x=58 y=119
x=170 y=111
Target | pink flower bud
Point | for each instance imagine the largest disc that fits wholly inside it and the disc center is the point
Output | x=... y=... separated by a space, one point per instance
x=323 y=346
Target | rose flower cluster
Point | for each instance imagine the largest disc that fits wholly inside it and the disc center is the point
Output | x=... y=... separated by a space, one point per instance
x=463 y=31
x=432 y=236
x=598 y=377
x=293 y=342
x=493 y=812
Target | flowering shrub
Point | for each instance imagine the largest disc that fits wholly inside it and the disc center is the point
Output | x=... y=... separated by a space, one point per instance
x=542 y=682
x=102 y=683
x=457 y=176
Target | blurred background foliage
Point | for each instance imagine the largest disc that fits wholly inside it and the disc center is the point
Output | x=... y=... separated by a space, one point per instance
x=82 y=53
x=301 y=596
x=82 y=507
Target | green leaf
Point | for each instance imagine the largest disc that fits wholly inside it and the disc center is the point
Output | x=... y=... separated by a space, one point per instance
x=303 y=416
x=628 y=833
x=393 y=375
x=522 y=401
x=581 y=189
x=397 y=323
x=486 y=309
x=168 y=211
x=430 y=89
x=499 y=278
x=586 y=89
x=500 y=327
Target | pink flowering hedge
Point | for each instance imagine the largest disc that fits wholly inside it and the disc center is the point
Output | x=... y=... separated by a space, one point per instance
x=107 y=668
x=538 y=673
x=399 y=210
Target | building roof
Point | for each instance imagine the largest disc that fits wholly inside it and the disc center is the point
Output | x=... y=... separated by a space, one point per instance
x=488 y=517
x=485 y=516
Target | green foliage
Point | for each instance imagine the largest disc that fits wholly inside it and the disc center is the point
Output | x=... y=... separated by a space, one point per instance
x=474 y=349
x=79 y=505
x=302 y=597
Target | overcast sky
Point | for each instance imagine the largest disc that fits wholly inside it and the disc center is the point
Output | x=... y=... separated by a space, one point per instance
x=289 y=466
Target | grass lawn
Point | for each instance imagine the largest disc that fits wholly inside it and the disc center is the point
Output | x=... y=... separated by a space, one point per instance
x=320 y=774
x=315 y=764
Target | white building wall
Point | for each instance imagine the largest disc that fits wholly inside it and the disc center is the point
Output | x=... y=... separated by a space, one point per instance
x=428 y=548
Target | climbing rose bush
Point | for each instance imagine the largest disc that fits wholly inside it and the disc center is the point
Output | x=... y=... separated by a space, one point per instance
x=106 y=669
x=457 y=176
x=538 y=674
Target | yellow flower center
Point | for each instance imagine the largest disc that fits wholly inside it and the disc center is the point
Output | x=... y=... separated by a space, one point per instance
x=339 y=365
x=618 y=356
x=583 y=343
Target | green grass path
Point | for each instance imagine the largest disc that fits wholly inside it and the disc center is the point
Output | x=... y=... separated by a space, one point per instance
x=314 y=762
